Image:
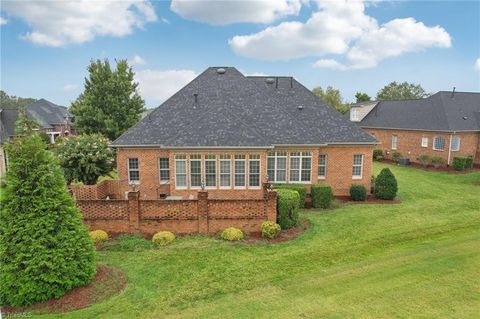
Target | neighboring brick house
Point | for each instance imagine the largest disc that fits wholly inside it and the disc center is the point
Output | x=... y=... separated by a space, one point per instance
x=446 y=124
x=228 y=132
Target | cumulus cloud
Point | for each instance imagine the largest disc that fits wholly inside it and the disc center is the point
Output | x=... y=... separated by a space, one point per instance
x=340 y=28
x=59 y=23
x=3 y=21
x=477 y=64
x=235 y=11
x=137 y=60
x=156 y=85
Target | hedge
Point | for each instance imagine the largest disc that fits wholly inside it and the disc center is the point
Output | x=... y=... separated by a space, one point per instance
x=301 y=189
x=386 y=185
x=469 y=162
x=377 y=154
x=322 y=196
x=287 y=208
x=459 y=163
x=358 y=192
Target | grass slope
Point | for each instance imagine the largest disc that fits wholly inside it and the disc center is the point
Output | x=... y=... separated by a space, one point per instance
x=418 y=259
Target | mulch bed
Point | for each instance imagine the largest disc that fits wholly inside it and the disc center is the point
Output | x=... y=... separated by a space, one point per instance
x=445 y=169
x=107 y=282
x=285 y=235
x=370 y=200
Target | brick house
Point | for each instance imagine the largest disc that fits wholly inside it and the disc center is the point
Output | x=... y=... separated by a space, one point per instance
x=228 y=132
x=446 y=124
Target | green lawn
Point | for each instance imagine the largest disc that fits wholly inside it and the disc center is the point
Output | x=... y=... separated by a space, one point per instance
x=418 y=259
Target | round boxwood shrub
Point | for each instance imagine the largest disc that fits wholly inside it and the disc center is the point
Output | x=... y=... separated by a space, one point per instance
x=459 y=163
x=270 y=229
x=99 y=236
x=232 y=234
x=287 y=208
x=358 y=193
x=386 y=185
x=322 y=196
x=45 y=248
x=163 y=238
x=301 y=189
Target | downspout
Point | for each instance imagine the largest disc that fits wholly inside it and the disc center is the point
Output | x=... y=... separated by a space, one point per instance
x=450 y=149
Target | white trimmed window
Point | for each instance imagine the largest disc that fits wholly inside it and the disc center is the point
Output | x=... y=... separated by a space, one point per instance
x=239 y=176
x=300 y=167
x=394 y=142
x=354 y=115
x=322 y=166
x=164 y=169
x=438 y=143
x=180 y=171
x=225 y=163
x=277 y=167
x=210 y=171
x=133 y=171
x=195 y=171
x=424 y=141
x=357 y=170
x=254 y=171
x=455 y=143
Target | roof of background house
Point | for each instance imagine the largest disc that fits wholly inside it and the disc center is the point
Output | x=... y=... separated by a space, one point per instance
x=237 y=111
x=47 y=113
x=443 y=111
x=8 y=117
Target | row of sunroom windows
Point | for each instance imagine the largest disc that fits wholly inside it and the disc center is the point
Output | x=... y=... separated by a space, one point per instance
x=226 y=170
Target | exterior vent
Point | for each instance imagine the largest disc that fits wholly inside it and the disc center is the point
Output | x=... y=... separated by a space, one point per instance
x=300 y=107
x=221 y=71
x=270 y=80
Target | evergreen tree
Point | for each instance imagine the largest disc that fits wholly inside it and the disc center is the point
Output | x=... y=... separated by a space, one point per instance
x=110 y=103
x=386 y=186
x=45 y=250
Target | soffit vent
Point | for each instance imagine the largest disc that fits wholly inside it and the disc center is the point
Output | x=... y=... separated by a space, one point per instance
x=221 y=71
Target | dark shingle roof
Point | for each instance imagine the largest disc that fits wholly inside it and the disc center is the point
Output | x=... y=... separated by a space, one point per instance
x=439 y=112
x=237 y=111
x=47 y=113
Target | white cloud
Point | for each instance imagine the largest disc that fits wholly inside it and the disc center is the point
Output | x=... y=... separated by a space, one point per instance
x=340 y=28
x=70 y=87
x=477 y=64
x=156 y=86
x=165 y=20
x=58 y=23
x=235 y=11
x=138 y=60
x=3 y=21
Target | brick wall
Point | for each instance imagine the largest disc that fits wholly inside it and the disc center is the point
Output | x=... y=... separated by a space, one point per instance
x=107 y=188
x=201 y=215
x=409 y=143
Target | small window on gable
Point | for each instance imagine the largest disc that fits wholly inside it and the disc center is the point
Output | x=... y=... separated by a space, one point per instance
x=438 y=143
x=354 y=115
x=424 y=141
x=455 y=143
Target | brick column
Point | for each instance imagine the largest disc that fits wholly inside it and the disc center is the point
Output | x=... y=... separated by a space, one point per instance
x=134 y=212
x=202 y=212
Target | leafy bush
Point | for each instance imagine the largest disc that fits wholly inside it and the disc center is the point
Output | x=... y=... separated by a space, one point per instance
x=85 y=158
x=301 y=189
x=459 y=163
x=270 y=229
x=287 y=208
x=45 y=248
x=322 y=196
x=438 y=161
x=128 y=243
x=424 y=160
x=377 y=154
x=469 y=162
x=358 y=192
x=232 y=234
x=372 y=184
x=396 y=156
x=99 y=236
x=163 y=238
x=386 y=185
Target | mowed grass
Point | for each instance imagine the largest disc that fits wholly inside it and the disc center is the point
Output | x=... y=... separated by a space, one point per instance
x=418 y=259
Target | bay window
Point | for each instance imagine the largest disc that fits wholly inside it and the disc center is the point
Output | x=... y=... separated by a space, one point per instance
x=210 y=171
x=225 y=171
x=180 y=171
x=239 y=177
x=254 y=171
x=195 y=170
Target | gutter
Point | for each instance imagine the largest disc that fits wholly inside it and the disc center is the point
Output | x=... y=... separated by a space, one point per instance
x=417 y=129
x=154 y=146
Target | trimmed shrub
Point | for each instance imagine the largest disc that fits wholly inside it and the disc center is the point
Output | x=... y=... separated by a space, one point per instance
x=301 y=189
x=372 y=184
x=322 y=196
x=396 y=156
x=459 y=163
x=232 y=234
x=358 y=193
x=438 y=161
x=386 y=185
x=424 y=160
x=469 y=162
x=99 y=236
x=270 y=229
x=377 y=154
x=287 y=208
x=163 y=238
x=45 y=248
x=128 y=243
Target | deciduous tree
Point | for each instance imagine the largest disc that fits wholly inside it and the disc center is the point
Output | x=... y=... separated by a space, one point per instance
x=401 y=91
x=332 y=97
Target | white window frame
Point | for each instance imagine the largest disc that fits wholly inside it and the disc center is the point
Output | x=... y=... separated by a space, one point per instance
x=434 y=143
x=356 y=166
x=181 y=158
x=424 y=142
x=324 y=166
x=354 y=115
x=301 y=156
x=237 y=160
x=276 y=156
x=196 y=158
x=225 y=159
x=394 y=142
x=459 y=142
x=129 y=169
x=254 y=158
x=160 y=170
x=210 y=158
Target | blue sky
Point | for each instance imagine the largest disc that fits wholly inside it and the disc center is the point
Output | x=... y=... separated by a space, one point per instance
x=353 y=46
